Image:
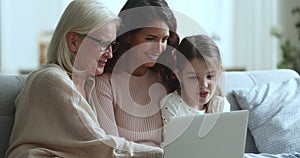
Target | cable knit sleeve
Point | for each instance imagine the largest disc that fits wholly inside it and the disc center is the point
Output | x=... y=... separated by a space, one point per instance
x=104 y=104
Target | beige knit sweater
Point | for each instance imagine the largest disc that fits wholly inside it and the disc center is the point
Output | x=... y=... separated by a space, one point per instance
x=54 y=120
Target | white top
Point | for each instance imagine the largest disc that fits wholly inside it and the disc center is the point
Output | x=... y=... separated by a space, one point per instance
x=172 y=106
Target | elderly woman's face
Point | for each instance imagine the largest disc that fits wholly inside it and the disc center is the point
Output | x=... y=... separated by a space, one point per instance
x=96 y=49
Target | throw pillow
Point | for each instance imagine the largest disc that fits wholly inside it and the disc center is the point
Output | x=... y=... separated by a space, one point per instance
x=274 y=115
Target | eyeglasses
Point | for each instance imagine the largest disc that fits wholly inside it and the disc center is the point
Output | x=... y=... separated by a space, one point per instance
x=105 y=45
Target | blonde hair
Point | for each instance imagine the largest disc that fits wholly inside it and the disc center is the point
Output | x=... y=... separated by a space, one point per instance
x=82 y=17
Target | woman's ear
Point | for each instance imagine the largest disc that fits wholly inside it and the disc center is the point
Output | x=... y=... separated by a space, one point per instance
x=221 y=68
x=73 y=41
x=178 y=74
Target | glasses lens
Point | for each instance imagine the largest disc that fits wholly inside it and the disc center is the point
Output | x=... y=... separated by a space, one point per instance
x=114 y=46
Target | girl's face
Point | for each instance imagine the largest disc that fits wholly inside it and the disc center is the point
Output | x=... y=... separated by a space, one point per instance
x=148 y=44
x=199 y=81
x=96 y=49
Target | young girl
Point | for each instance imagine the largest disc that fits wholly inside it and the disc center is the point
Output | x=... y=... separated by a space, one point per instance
x=198 y=88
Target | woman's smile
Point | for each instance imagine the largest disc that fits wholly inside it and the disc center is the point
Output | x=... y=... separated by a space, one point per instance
x=152 y=57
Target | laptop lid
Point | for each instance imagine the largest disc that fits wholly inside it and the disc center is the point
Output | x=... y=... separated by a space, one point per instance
x=211 y=135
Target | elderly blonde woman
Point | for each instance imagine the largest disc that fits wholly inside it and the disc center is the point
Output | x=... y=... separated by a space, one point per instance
x=55 y=116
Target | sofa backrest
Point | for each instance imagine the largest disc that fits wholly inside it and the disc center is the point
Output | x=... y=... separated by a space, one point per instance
x=10 y=86
x=246 y=79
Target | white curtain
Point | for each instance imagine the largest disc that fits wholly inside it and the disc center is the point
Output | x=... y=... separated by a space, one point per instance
x=253 y=46
x=240 y=27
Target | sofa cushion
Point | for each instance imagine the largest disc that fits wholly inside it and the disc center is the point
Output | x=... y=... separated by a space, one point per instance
x=246 y=79
x=273 y=115
x=10 y=87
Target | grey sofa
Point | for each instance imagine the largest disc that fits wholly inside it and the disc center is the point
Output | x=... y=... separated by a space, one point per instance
x=248 y=79
x=10 y=86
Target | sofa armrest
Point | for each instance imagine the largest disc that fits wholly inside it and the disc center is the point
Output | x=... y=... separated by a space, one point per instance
x=10 y=86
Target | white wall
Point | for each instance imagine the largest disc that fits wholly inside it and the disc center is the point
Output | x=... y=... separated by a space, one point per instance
x=0 y=35
x=114 y=5
x=237 y=24
x=22 y=22
x=207 y=16
x=21 y=25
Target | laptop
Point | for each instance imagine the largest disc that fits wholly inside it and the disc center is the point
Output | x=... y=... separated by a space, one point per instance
x=211 y=135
